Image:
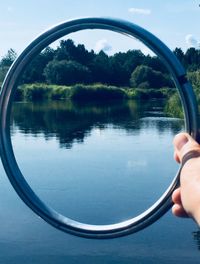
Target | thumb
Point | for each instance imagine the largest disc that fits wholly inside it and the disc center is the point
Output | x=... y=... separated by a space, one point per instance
x=185 y=147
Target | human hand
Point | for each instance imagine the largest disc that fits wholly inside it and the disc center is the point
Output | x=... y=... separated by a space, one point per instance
x=186 y=198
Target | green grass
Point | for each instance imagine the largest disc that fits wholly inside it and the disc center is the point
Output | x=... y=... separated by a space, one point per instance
x=40 y=91
x=97 y=92
x=173 y=106
x=142 y=93
x=81 y=92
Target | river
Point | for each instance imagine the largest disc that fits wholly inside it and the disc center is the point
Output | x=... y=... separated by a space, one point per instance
x=96 y=163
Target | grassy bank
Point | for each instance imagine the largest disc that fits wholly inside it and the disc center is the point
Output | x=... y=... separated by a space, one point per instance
x=81 y=92
x=173 y=105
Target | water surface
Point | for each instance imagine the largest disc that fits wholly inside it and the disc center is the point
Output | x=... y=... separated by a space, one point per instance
x=99 y=164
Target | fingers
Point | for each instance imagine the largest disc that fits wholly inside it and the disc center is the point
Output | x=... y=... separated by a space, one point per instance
x=183 y=144
x=177 y=208
x=179 y=211
x=176 y=196
x=186 y=149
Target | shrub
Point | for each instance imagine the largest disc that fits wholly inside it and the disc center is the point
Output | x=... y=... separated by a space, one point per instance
x=60 y=92
x=173 y=106
x=96 y=92
x=36 y=92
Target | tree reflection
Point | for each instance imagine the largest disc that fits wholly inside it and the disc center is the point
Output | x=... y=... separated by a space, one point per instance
x=196 y=236
x=71 y=122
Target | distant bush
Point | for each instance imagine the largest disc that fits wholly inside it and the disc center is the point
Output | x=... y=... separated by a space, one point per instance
x=60 y=92
x=144 y=93
x=81 y=92
x=36 y=91
x=97 y=92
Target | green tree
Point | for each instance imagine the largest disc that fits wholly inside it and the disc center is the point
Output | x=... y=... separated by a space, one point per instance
x=66 y=72
x=179 y=54
x=100 y=68
x=192 y=59
x=6 y=62
x=122 y=65
x=155 y=63
x=8 y=59
x=145 y=77
x=3 y=71
x=34 y=71
x=66 y=50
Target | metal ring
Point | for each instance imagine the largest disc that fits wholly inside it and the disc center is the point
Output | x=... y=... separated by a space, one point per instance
x=7 y=155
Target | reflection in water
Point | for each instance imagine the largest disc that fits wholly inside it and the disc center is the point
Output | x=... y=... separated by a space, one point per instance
x=196 y=236
x=70 y=122
x=116 y=147
x=128 y=189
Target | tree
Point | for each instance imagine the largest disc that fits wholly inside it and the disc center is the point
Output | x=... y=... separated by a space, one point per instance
x=8 y=59
x=192 y=59
x=6 y=62
x=3 y=71
x=66 y=50
x=83 y=56
x=155 y=63
x=66 y=72
x=122 y=65
x=145 y=77
x=34 y=71
x=100 y=68
x=179 y=54
x=118 y=74
x=133 y=58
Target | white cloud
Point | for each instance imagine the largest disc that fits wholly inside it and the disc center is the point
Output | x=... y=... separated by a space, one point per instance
x=139 y=11
x=102 y=44
x=191 y=41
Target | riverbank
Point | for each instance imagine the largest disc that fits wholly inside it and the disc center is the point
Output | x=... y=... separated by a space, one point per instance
x=81 y=92
x=173 y=105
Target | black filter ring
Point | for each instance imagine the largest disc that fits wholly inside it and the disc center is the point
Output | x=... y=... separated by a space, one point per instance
x=9 y=87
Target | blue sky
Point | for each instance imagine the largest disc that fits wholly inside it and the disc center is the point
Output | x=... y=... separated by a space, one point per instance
x=175 y=22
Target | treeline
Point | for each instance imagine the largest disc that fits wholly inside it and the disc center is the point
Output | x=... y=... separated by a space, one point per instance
x=70 y=64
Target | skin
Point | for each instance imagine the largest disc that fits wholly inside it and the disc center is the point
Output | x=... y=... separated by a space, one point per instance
x=186 y=198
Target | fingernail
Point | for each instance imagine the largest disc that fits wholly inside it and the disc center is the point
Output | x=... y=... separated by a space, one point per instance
x=182 y=140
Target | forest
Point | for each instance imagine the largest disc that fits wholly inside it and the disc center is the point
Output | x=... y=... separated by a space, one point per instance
x=69 y=64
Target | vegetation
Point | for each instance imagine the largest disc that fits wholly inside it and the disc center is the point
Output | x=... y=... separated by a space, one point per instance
x=194 y=77
x=81 y=92
x=71 y=71
x=173 y=106
x=6 y=62
x=145 y=77
x=97 y=92
x=70 y=64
